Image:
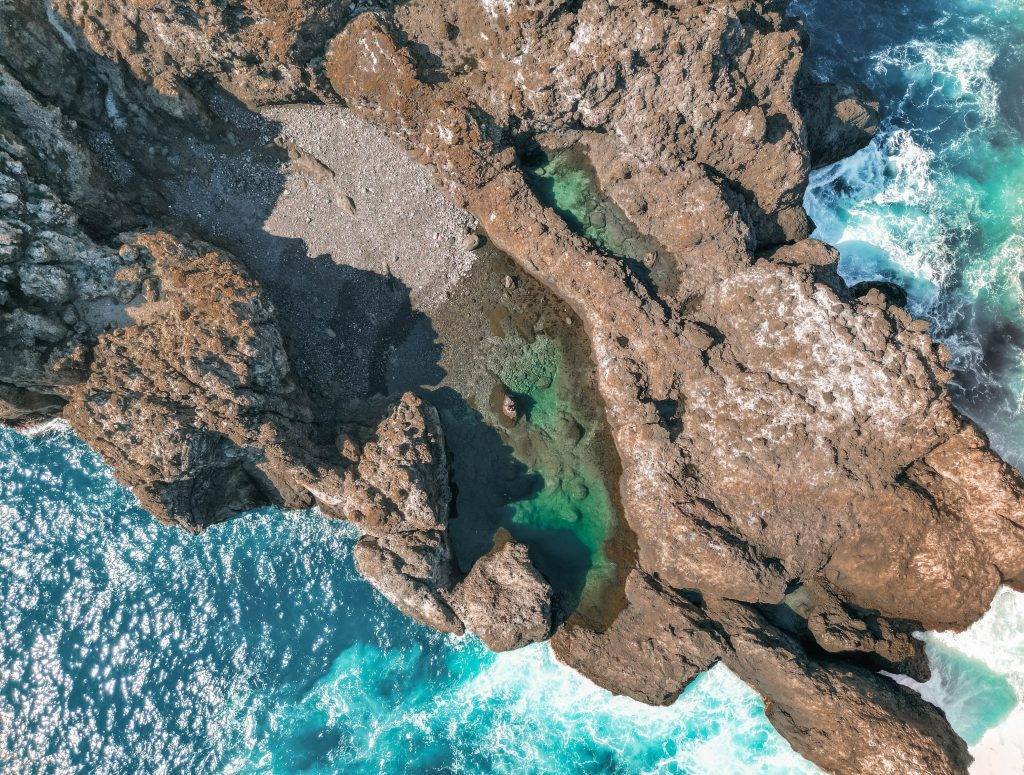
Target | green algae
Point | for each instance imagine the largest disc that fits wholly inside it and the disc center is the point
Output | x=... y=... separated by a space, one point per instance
x=557 y=439
x=565 y=181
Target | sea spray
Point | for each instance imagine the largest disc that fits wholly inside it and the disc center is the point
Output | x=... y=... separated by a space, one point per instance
x=936 y=205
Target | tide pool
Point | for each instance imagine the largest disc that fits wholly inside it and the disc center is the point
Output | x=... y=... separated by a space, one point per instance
x=255 y=648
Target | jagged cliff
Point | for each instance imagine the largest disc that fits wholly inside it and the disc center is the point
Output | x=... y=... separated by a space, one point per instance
x=802 y=493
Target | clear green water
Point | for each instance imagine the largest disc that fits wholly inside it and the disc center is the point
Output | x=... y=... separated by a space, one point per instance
x=565 y=181
x=127 y=646
x=548 y=478
x=574 y=495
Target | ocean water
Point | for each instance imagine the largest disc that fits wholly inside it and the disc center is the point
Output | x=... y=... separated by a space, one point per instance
x=128 y=646
x=935 y=204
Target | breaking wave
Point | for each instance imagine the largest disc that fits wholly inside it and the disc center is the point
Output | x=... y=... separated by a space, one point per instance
x=128 y=646
x=935 y=204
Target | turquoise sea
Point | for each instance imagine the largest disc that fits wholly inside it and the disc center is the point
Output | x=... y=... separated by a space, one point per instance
x=131 y=647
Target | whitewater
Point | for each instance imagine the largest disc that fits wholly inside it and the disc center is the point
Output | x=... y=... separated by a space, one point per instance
x=130 y=646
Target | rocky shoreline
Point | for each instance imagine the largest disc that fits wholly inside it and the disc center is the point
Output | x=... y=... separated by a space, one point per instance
x=801 y=492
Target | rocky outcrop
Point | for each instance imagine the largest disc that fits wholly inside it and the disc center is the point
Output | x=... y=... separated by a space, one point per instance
x=654 y=648
x=802 y=492
x=58 y=289
x=258 y=51
x=504 y=600
x=843 y=717
x=166 y=357
x=768 y=420
x=840 y=119
x=192 y=402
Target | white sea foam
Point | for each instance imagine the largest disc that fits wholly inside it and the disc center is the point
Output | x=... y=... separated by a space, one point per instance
x=955 y=71
x=997 y=640
x=1002 y=274
x=877 y=207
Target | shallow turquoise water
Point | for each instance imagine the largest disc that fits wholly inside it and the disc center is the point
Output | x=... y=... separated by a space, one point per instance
x=128 y=646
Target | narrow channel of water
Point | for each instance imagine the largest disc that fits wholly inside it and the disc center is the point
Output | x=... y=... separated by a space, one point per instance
x=565 y=181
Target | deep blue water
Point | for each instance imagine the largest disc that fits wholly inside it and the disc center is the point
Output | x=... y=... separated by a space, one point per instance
x=128 y=646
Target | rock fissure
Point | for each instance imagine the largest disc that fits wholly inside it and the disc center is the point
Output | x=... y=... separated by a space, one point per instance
x=801 y=491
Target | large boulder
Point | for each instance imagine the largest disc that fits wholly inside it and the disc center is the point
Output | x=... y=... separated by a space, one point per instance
x=505 y=600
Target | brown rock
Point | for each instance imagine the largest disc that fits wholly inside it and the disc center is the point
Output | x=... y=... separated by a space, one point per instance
x=652 y=650
x=776 y=429
x=504 y=600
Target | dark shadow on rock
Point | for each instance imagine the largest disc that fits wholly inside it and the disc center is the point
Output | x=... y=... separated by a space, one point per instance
x=218 y=175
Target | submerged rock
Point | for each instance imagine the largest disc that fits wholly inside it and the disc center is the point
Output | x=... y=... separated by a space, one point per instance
x=797 y=479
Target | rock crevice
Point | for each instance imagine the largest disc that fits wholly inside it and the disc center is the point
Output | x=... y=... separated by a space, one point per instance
x=803 y=493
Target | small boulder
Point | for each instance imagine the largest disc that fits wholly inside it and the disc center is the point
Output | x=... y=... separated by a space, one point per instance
x=346 y=203
x=47 y=283
x=472 y=241
x=509 y=408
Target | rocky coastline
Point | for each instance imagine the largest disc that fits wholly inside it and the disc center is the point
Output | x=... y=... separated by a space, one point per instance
x=797 y=494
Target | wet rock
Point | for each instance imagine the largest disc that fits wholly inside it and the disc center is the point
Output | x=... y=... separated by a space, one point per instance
x=812 y=441
x=843 y=717
x=894 y=294
x=504 y=600
x=775 y=468
x=840 y=120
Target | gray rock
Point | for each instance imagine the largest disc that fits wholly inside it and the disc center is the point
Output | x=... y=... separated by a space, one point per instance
x=48 y=284
x=346 y=203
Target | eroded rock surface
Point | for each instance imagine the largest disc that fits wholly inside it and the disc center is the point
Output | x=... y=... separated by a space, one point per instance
x=58 y=289
x=504 y=600
x=797 y=479
x=767 y=419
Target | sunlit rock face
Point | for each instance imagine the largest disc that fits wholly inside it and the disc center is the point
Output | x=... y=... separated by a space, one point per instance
x=793 y=473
